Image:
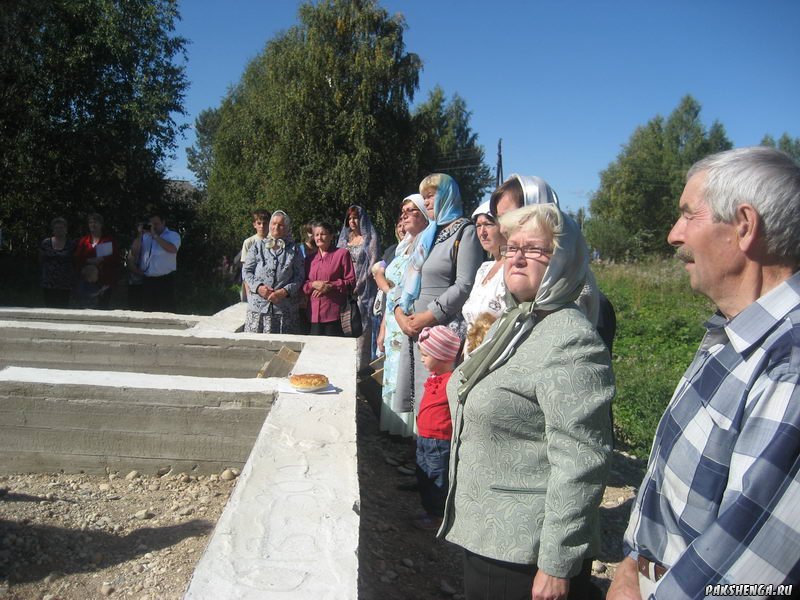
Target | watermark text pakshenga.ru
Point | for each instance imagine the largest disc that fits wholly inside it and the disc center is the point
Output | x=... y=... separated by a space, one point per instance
x=749 y=589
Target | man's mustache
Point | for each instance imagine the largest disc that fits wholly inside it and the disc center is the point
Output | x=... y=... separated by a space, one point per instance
x=684 y=254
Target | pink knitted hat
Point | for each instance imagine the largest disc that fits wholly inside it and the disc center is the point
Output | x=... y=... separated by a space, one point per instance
x=440 y=342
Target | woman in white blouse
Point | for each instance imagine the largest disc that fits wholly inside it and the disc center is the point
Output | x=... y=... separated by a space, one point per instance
x=488 y=293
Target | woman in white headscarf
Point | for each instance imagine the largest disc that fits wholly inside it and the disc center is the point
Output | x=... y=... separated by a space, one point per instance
x=526 y=190
x=487 y=300
x=274 y=272
x=361 y=239
x=531 y=429
x=414 y=220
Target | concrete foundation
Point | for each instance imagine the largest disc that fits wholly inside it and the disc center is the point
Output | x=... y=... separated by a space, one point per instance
x=146 y=391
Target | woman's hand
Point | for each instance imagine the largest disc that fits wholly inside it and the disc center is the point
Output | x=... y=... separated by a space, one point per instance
x=378 y=271
x=548 y=587
x=278 y=295
x=383 y=284
x=403 y=321
x=264 y=291
x=320 y=288
x=419 y=321
x=381 y=337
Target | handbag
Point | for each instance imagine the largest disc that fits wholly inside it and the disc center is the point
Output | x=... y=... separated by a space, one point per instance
x=350 y=318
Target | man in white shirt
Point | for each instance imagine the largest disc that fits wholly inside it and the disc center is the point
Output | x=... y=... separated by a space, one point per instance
x=159 y=261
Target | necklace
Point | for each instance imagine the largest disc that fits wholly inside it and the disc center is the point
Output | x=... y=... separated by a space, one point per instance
x=492 y=272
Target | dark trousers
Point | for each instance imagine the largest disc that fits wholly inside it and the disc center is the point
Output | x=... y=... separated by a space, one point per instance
x=159 y=293
x=489 y=579
x=54 y=298
x=433 y=461
x=135 y=296
x=332 y=328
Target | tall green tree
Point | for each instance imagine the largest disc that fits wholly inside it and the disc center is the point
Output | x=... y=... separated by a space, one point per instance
x=200 y=156
x=639 y=190
x=319 y=120
x=88 y=94
x=786 y=143
x=445 y=143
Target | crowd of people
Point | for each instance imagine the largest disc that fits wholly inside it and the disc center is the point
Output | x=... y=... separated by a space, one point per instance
x=496 y=345
x=491 y=358
x=83 y=273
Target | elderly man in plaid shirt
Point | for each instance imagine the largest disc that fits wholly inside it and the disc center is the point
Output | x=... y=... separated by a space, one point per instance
x=718 y=512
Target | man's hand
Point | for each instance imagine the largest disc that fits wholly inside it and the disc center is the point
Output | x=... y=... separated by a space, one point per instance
x=626 y=582
x=548 y=587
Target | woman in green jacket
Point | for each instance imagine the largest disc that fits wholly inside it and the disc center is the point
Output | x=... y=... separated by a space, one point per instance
x=531 y=428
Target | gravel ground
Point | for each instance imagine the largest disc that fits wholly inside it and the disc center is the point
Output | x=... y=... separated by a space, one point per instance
x=130 y=535
x=65 y=537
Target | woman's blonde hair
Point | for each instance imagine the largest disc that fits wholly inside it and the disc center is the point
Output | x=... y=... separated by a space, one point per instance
x=431 y=182
x=545 y=217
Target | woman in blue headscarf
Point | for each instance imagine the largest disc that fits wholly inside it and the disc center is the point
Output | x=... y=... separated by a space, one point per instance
x=437 y=281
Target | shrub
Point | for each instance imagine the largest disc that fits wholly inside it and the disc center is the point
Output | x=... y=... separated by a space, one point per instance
x=659 y=327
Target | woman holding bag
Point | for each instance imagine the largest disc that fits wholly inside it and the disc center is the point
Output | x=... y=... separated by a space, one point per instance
x=360 y=238
x=330 y=279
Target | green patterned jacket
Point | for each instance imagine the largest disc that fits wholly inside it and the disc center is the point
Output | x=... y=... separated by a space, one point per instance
x=532 y=448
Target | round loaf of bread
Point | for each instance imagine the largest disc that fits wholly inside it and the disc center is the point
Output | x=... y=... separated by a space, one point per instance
x=308 y=382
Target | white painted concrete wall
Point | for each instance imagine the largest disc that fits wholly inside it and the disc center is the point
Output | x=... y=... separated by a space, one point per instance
x=290 y=529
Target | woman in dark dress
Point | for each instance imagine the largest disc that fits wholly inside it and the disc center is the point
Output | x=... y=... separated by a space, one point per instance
x=57 y=266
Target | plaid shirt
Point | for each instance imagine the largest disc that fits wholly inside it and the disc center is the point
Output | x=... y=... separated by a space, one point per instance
x=720 y=502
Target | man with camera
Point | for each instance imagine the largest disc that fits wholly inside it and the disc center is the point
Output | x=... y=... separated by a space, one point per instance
x=158 y=262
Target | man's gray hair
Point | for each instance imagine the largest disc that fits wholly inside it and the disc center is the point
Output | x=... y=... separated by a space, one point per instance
x=765 y=178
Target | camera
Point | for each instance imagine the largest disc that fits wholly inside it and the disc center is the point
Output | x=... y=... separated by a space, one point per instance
x=145 y=226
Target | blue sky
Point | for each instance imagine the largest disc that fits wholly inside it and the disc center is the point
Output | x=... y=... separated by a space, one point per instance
x=563 y=83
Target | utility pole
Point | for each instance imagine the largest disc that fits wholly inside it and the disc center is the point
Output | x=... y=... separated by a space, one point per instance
x=499 y=168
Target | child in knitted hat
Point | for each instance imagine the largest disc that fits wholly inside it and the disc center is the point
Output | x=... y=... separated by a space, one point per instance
x=439 y=348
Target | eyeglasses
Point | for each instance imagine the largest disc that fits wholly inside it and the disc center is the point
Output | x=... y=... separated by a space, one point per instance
x=410 y=211
x=527 y=251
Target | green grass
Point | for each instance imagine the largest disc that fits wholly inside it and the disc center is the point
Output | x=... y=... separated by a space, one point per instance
x=659 y=327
